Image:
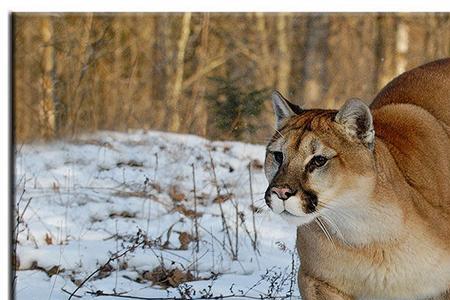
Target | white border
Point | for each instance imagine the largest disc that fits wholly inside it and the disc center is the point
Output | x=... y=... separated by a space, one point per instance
x=228 y=6
x=4 y=159
x=8 y=6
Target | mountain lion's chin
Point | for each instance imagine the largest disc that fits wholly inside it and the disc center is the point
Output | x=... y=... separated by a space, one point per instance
x=297 y=220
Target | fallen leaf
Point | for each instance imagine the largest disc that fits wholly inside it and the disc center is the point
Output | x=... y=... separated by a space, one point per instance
x=177 y=277
x=131 y=163
x=105 y=271
x=123 y=214
x=167 y=278
x=54 y=271
x=48 y=239
x=222 y=198
x=190 y=213
x=55 y=187
x=176 y=195
x=185 y=239
x=256 y=164
x=123 y=265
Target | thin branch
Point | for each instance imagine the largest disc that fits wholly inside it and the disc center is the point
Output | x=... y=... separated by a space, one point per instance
x=111 y=259
x=231 y=296
x=255 y=240
x=195 y=210
x=197 y=245
x=213 y=64
x=222 y=214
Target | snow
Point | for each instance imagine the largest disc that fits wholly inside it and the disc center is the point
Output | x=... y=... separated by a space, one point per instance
x=86 y=200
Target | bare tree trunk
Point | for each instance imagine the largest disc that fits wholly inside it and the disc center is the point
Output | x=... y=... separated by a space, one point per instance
x=267 y=67
x=174 y=100
x=441 y=34
x=284 y=56
x=385 y=50
x=262 y=30
x=401 y=46
x=24 y=116
x=47 y=105
x=297 y=47
x=198 y=89
x=113 y=110
x=160 y=72
x=148 y=82
x=79 y=86
x=350 y=59
x=316 y=54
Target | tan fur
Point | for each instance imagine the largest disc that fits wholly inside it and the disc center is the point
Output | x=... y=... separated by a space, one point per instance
x=387 y=210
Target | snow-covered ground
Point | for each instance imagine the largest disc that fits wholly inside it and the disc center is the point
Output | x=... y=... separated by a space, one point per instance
x=123 y=204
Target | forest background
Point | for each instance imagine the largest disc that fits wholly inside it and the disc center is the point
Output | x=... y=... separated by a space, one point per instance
x=209 y=74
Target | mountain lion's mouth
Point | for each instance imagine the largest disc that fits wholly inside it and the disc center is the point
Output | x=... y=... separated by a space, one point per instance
x=296 y=205
x=286 y=213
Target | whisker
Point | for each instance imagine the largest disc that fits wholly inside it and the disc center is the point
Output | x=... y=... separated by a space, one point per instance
x=321 y=227
x=336 y=228
x=278 y=132
x=333 y=208
x=338 y=213
x=324 y=230
x=327 y=220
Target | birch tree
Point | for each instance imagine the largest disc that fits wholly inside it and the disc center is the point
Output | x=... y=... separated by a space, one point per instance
x=47 y=105
x=177 y=88
x=315 y=57
x=284 y=54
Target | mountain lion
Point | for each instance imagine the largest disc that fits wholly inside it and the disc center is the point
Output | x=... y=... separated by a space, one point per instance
x=369 y=189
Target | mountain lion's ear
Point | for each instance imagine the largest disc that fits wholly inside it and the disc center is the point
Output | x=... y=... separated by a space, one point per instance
x=356 y=118
x=283 y=108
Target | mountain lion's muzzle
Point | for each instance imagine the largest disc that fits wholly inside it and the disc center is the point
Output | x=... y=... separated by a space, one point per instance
x=283 y=199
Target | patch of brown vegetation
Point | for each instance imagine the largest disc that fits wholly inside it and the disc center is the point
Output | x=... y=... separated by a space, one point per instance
x=167 y=278
x=48 y=239
x=256 y=164
x=176 y=195
x=190 y=213
x=131 y=163
x=223 y=198
x=185 y=239
x=122 y=214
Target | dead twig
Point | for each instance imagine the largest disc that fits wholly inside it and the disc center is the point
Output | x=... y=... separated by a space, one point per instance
x=255 y=240
x=115 y=256
x=197 y=245
x=230 y=296
x=222 y=214
x=237 y=230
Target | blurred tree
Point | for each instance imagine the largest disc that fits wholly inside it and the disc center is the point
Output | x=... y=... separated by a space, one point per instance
x=81 y=72
x=314 y=73
x=47 y=104
x=175 y=101
x=284 y=31
x=198 y=106
x=385 y=49
x=235 y=111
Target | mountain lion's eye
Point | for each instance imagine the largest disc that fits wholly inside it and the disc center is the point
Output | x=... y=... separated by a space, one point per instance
x=317 y=162
x=278 y=157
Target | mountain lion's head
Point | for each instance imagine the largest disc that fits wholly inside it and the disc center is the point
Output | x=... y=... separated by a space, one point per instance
x=319 y=161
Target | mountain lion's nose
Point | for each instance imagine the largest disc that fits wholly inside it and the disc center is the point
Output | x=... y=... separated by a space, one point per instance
x=283 y=193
